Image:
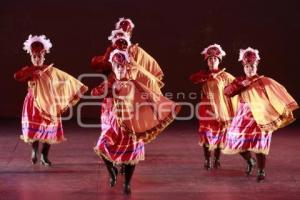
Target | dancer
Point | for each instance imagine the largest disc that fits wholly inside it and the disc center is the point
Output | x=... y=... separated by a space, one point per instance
x=50 y=92
x=216 y=109
x=132 y=115
x=120 y=39
x=264 y=106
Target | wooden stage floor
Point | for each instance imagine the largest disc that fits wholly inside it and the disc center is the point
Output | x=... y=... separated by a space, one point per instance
x=173 y=169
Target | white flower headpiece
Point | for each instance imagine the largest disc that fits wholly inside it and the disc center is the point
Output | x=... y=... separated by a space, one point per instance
x=118 y=24
x=114 y=34
x=116 y=51
x=37 y=38
x=249 y=49
x=206 y=52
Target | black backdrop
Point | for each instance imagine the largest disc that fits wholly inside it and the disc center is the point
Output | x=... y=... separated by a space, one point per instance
x=173 y=32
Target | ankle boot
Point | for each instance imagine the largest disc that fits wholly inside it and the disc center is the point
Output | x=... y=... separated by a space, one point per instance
x=261 y=162
x=250 y=165
x=260 y=175
x=129 y=169
x=251 y=162
x=35 y=149
x=112 y=171
x=207 y=162
x=44 y=156
x=217 y=154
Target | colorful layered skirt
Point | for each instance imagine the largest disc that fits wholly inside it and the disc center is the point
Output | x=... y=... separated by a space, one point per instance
x=245 y=135
x=211 y=131
x=35 y=127
x=115 y=144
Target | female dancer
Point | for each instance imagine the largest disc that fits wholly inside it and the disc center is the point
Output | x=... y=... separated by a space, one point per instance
x=132 y=115
x=216 y=109
x=50 y=92
x=264 y=107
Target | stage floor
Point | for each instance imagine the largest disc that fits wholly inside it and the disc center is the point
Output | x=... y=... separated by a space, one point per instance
x=173 y=169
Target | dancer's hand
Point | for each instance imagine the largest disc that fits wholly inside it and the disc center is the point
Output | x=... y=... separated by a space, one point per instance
x=36 y=74
x=246 y=83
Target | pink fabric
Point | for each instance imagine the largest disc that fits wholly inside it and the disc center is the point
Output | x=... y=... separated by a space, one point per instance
x=114 y=143
x=211 y=131
x=35 y=127
x=245 y=135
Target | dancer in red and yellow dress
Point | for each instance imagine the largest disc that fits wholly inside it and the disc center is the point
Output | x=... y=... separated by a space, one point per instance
x=120 y=39
x=50 y=92
x=215 y=109
x=132 y=115
x=264 y=107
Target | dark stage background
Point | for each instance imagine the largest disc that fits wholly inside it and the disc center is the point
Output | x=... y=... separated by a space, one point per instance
x=174 y=33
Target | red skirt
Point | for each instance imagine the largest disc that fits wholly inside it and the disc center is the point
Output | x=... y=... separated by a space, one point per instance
x=115 y=144
x=245 y=135
x=211 y=131
x=36 y=128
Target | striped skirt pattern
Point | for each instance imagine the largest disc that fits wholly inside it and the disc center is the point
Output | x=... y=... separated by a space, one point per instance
x=36 y=128
x=115 y=144
x=245 y=135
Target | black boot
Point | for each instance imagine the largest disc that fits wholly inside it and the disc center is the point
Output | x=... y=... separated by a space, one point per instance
x=112 y=171
x=35 y=149
x=260 y=175
x=44 y=156
x=261 y=162
x=251 y=162
x=207 y=163
x=129 y=169
x=217 y=154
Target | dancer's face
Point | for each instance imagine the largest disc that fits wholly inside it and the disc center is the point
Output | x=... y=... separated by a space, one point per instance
x=38 y=58
x=121 y=44
x=120 y=70
x=213 y=63
x=250 y=69
x=126 y=27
